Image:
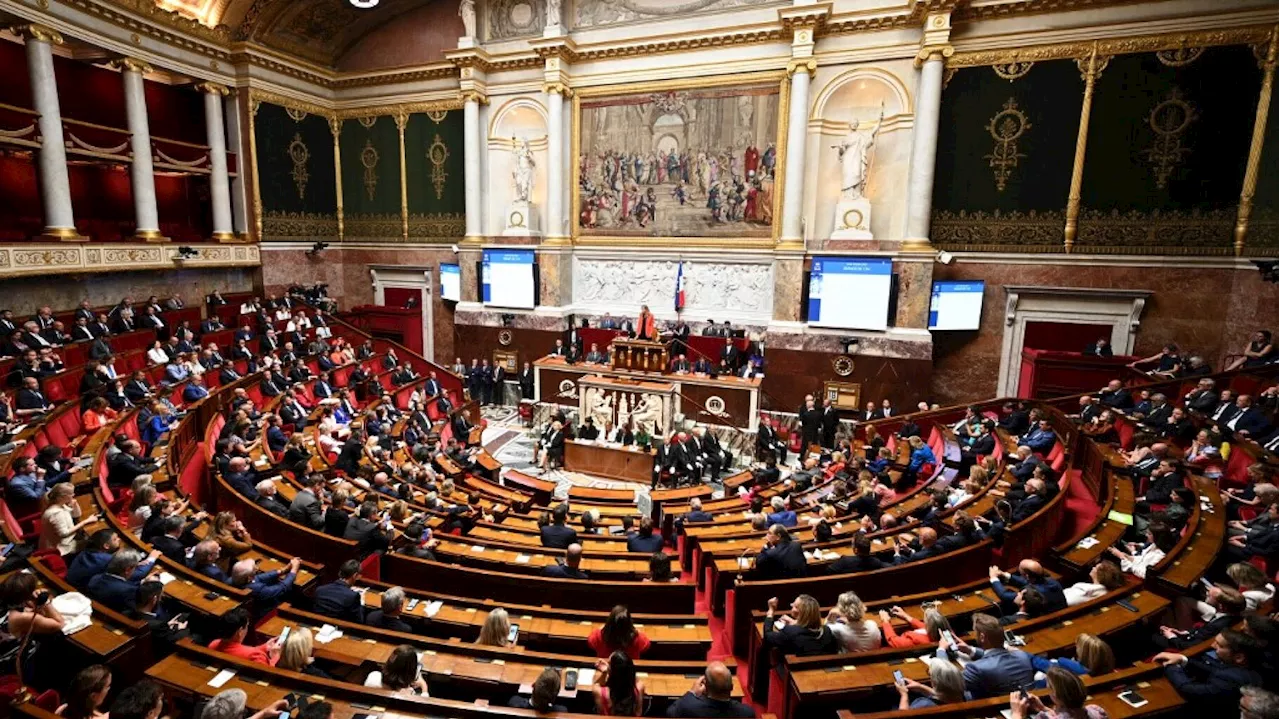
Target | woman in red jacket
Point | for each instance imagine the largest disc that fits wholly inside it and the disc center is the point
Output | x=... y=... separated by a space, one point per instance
x=618 y=634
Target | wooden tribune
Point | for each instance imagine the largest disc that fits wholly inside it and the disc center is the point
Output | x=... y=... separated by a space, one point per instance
x=624 y=463
x=638 y=355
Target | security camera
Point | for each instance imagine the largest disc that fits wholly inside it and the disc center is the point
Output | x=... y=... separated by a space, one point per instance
x=454 y=247
x=1268 y=268
x=945 y=257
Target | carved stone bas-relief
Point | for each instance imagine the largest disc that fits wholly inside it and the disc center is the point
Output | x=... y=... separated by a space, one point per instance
x=741 y=291
x=507 y=19
x=591 y=13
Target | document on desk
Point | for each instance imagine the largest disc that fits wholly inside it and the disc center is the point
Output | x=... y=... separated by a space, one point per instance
x=221 y=678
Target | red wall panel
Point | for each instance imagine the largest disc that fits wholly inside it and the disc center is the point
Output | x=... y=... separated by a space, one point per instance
x=175 y=113
x=1063 y=336
x=15 y=86
x=20 y=211
x=90 y=93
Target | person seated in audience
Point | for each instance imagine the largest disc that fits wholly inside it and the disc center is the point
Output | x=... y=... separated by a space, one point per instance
x=1067 y=694
x=921 y=633
x=1246 y=421
x=1211 y=681
x=1256 y=538
x=235 y=627
x=370 y=532
x=242 y=477
x=30 y=614
x=204 y=560
x=159 y=423
x=93 y=559
x=1252 y=585
x=1223 y=608
x=1167 y=362
x=1137 y=558
x=545 y=691
x=496 y=630
x=231 y=535
x=86 y=697
x=947 y=688
x=906 y=550
x=781 y=513
x=618 y=691
x=296 y=655
x=1040 y=438
x=660 y=568
x=1258 y=703
x=646 y=540
x=1030 y=573
x=769 y=443
x=1260 y=351
x=117 y=587
x=588 y=431
x=266 y=589
x=781 y=557
x=800 y=631
x=558 y=535
x=618 y=634
x=401 y=673
x=337 y=599
x=30 y=402
x=992 y=669
x=853 y=630
x=61 y=522
x=862 y=560
x=568 y=569
x=1104 y=577
x=177 y=537
x=1028 y=603
x=710 y=696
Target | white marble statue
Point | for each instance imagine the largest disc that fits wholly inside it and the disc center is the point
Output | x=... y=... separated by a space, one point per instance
x=522 y=173
x=648 y=409
x=553 y=15
x=467 y=11
x=855 y=156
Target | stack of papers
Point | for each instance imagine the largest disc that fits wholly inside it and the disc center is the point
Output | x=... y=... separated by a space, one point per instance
x=1087 y=543
x=433 y=608
x=165 y=577
x=586 y=677
x=221 y=678
x=328 y=633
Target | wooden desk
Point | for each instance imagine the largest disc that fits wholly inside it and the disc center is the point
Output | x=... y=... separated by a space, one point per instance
x=615 y=462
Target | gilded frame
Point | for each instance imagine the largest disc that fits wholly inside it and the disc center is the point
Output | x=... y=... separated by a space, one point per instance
x=756 y=78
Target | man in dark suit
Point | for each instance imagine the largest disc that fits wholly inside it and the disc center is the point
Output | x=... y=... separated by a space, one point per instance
x=93 y=559
x=1203 y=399
x=30 y=401
x=928 y=548
x=85 y=310
x=388 y=617
x=369 y=534
x=1115 y=396
x=862 y=560
x=242 y=477
x=1030 y=574
x=1100 y=348
x=871 y=413
x=810 y=423
x=830 y=423
x=768 y=441
x=177 y=538
x=569 y=568
x=696 y=514
x=781 y=558
x=1247 y=421
x=431 y=387
x=100 y=327
x=125 y=466
x=557 y=535
x=711 y=696
x=1035 y=499
x=80 y=332
x=1228 y=610
x=116 y=588
x=337 y=599
x=1212 y=681
x=729 y=354
x=404 y=375
x=165 y=631
x=526 y=382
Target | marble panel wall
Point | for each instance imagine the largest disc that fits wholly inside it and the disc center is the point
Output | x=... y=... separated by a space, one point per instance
x=1210 y=312
x=25 y=295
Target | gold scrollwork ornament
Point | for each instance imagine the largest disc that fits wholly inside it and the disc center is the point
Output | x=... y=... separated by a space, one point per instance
x=505 y=338
x=1179 y=56
x=437 y=116
x=299 y=154
x=296 y=114
x=1005 y=128
x=369 y=158
x=1169 y=121
x=438 y=153
x=1012 y=70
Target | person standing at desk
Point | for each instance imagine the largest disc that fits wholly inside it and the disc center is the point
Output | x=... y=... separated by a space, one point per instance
x=645 y=327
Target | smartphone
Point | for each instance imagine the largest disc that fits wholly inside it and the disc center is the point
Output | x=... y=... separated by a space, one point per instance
x=1132 y=698
x=4 y=551
x=412 y=603
x=951 y=638
x=1207 y=584
x=291 y=700
x=571 y=680
x=284 y=634
x=1127 y=605
x=181 y=618
x=1013 y=639
x=210 y=596
x=1022 y=692
x=898 y=678
x=513 y=633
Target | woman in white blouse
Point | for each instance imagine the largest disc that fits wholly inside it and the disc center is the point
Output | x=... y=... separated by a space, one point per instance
x=157 y=355
x=848 y=621
x=58 y=525
x=1136 y=559
x=401 y=673
x=1104 y=577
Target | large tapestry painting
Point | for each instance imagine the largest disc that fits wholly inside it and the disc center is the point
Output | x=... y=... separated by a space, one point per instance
x=685 y=163
x=295 y=173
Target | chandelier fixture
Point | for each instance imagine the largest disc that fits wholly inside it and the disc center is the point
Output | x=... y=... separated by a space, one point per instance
x=365 y=4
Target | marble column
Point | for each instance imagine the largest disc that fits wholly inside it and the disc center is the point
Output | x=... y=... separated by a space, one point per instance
x=219 y=181
x=924 y=150
x=142 y=174
x=239 y=203
x=55 y=188
x=471 y=151
x=555 y=163
x=793 y=170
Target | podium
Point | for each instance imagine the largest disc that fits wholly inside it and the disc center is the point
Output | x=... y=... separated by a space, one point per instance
x=638 y=355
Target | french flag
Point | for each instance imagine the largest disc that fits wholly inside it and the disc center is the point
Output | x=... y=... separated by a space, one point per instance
x=680 y=287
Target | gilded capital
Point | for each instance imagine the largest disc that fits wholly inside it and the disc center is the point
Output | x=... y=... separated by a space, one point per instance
x=806 y=64
x=477 y=96
x=558 y=88
x=132 y=64
x=213 y=88
x=933 y=52
x=335 y=126
x=36 y=31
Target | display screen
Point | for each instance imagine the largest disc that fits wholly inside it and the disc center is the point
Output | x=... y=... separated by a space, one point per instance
x=451 y=283
x=850 y=292
x=956 y=305
x=507 y=279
